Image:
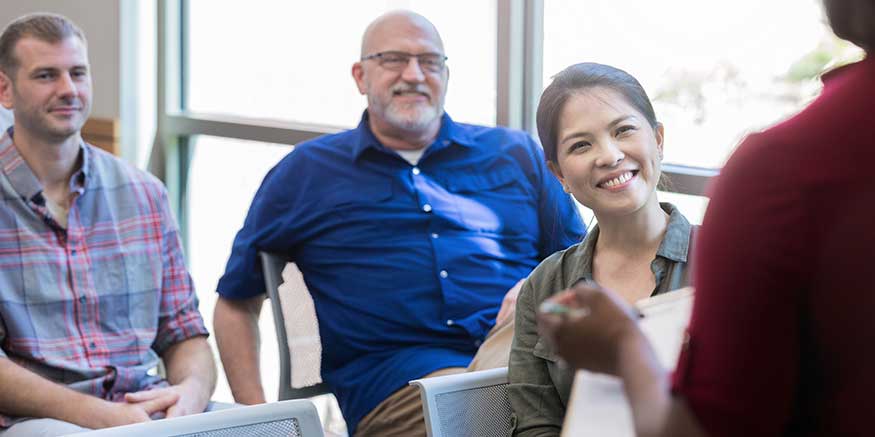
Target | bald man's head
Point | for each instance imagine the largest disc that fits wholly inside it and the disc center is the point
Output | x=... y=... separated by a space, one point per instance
x=397 y=23
x=403 y=74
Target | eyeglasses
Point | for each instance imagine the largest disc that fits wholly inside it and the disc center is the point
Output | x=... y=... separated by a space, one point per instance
x=397 y=61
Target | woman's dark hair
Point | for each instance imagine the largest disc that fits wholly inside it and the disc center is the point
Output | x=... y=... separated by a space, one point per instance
x=580 y=77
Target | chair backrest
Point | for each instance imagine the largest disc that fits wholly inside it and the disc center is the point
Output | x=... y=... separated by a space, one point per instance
x=471 y=404
x=295 y=418
x=291 y=387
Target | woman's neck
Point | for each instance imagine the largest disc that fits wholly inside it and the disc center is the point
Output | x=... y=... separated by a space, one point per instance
x=635 y=234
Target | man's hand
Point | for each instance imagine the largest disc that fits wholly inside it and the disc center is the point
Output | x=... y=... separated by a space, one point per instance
x=508 y=304
x=111 y=414
x=588 y=326
x=189 y=399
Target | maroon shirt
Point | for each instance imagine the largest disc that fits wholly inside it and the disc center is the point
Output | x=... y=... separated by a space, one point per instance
x=782 y=336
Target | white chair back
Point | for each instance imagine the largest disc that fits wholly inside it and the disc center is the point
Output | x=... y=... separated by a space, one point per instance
x=295 y=418
x=471 y=404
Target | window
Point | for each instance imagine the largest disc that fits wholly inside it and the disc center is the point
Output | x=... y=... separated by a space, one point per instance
x=292 y=60
x=224 y=175
x=714 y=70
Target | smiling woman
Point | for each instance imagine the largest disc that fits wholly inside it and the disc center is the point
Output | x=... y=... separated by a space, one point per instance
x=608 y=155
x=603 y=142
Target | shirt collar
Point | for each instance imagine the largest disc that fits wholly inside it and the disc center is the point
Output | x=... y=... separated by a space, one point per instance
x=21 y=177
x=449 y=133
x=675 y=244
x=836 y=75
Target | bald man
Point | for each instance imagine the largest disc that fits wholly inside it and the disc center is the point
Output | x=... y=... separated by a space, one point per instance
x=412 y=232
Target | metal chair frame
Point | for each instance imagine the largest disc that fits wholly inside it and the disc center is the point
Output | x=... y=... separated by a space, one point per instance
x=272 y=267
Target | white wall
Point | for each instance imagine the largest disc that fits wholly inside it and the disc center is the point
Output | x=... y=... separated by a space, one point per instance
x=121 y=49
x=99 y=19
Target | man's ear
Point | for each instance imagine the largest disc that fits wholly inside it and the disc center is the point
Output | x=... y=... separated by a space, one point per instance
x=5 y=90
x=358 y=73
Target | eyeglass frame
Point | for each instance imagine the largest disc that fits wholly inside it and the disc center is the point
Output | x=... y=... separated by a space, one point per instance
x=379 y=57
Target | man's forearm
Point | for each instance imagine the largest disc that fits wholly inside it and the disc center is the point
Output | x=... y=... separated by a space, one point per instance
x=190 y=362
x=655 y=411
x=237 y=335
x=24 y=393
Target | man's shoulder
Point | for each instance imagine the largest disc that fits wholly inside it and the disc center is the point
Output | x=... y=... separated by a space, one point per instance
x=115 y=173
x=557 y=271
x=338 y=141
x=500 y=141
x=494 y=136
x=330 y=146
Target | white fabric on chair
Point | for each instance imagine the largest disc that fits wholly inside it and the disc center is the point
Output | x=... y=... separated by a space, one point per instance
x=302 y=328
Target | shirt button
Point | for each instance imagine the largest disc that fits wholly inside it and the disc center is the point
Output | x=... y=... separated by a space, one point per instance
x=426 y=207
x=92 y=345
x=450 y=322
x=82 y=299
x=444 y=274
x=415 y=170
x=446 y=142
x=434 y=235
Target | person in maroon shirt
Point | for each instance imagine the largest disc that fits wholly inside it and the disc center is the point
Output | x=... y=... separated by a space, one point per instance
x=781 y=339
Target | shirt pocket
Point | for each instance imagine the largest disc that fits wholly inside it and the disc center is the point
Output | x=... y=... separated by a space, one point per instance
x=499 y=201
x=359 y=196
x=129 y=284
x=561 y=375
x=544 y=351
x=355 y=213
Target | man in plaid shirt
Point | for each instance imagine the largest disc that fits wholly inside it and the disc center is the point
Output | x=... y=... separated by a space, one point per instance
x=93 y=286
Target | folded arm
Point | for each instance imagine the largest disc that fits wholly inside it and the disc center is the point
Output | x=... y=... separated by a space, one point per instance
x=24 y=393
x=191 y=372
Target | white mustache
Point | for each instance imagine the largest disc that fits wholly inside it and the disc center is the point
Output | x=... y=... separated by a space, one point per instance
x=410 y=89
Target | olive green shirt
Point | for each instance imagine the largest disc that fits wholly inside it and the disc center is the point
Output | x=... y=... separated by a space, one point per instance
x=539 y=387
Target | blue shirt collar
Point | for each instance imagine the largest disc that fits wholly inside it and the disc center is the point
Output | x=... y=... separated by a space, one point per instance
x=450 y=133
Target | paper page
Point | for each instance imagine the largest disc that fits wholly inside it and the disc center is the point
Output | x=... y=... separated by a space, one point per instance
x=598 y=404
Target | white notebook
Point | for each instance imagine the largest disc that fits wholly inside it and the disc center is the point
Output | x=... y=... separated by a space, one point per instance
x=598 y=406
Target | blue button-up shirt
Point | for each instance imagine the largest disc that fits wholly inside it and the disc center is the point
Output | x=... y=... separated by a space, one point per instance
x=407 y=265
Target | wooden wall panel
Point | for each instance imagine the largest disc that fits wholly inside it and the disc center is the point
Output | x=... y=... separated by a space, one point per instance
x=103 y=133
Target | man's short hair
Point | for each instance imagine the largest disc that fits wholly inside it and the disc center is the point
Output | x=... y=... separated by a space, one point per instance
x=51 y=28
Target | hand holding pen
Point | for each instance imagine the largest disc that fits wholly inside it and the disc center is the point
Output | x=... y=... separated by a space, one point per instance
x=587 y=324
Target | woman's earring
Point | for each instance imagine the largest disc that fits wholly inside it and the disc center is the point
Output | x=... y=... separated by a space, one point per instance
x=565 y=188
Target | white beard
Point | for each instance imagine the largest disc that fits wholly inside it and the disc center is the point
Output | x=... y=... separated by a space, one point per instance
x=415 y=120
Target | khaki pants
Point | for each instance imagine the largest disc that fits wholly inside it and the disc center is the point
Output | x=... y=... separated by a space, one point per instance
x=401 y=413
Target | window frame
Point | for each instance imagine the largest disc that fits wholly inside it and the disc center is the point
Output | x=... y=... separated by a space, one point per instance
x=519 y=57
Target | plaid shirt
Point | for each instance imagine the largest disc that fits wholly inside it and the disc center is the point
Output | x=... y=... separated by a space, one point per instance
x=92 y=306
